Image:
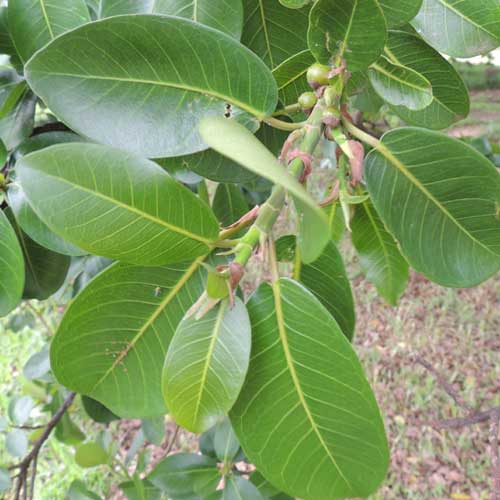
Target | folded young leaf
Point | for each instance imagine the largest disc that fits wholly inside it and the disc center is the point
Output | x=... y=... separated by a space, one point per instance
x=399 y=12
x=450 y=100
x=439 y=197
x=34 y=24
x=11 y=267
x=307 y=417
x=113 y=339
x=379 y=254
x=399 y=85
x=142 y=83
x=206 y=365
x=354 y=30
x=116 y=205
x=236 y=142
x=460 y=28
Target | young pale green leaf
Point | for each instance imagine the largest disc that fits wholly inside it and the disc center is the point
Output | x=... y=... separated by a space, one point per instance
x=237 y=488
x=112 y=341
x=20 y=409
x=444 y=211
x=206 y=365
x=115 y=204
x=186 y=475
x=11 y=267
x=229 y=204
x=156 y=76
x=236 y=142
x=399 y=12
x=460 y=28
x=450 y=101
x=16 y=443
x=91 y=455
x=379 y=254
x=34 y=24
x=399 y=85
x=274 y=32
x=222 y=15
x=291 y=76
x=354 y=30
x=327 y=279
x=307 y=417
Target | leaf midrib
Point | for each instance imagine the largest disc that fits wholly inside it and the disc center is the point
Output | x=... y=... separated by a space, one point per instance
x=266 y=32
x=189 y=88
x=46 y=18
x=163 y=304
x=406 y=83
x=280 y=319
x=134 y=210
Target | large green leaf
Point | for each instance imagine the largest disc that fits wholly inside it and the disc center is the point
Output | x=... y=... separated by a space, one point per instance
x=112 y=341
x=307 y=417
x=45 y=271
x=206 y=365
x=156 y=76
x=399 y=12
x=400 y=85
x=379 y=254
x=6 y=43
x=236 y=142
x=222 y=15
x=186 y=475
x=326 y=278
x=450 y=101
x=460 y=28
x=229 y=204
x=440 y=198
x=115 y=204
x=33 y=24
x=274 y=32
x=11 y=267
x=354 y=30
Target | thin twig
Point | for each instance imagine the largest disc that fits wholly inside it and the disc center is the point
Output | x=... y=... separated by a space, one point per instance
x=171 y=443
x=457 y=423
x=41 y=318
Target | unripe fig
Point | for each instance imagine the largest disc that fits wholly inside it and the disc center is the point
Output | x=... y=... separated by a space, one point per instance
x=317 y=75
x=307 y=100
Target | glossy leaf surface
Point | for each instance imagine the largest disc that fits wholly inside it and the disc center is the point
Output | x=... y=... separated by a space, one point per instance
x=379 y=254
x=155 y=75
x=354 y=30
x=460 y=28
x=450 y=99
x=399 y=12
x=113 y=339
x=117 y=205
x=34 y=24
x=206 y=365
x=307 y=417
x=11 y=267
x=236 y=142
x=439 y=197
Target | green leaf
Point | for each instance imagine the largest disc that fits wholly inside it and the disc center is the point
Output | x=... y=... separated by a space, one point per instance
x=17 y=125
x=112 y=341
x=236 y=142
x=154 y=429
x=97 y=411
x=399 y=12
x=353 y=30
x=34 y=227
x=6 y=44
x=11 y=267
x=460 y=28
x=78 y=491
x=439 y=197
x=326 y=278
x=206 y=443
x=267 y=490
x=226 y=444
x=274 y=32
x=450 y=101
x=379 y=254
x=291 y=76
x=237 y=488
x=307 y=417
x=33 y=24
x=115 y=204
x=45 y=271
x=16 y=443
x=229 y=204
x=399 y=85
x=206 y=365
x=68 y=432
x=336 y=221
x=157 y=75
x=150 y=492
x=186 y=474
x=38 y=365
x=222 y=15
x=20 y=409
x=91 y=455
x=16 y=94
x=5 y=482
